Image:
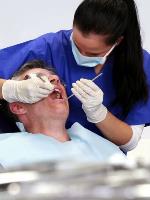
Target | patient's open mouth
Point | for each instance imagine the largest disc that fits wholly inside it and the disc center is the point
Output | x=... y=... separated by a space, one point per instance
x=56 y=94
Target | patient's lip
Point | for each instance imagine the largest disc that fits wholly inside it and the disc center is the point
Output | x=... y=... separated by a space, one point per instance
x=59 y=95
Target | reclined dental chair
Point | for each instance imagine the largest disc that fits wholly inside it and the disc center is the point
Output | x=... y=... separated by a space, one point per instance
x=7 y=123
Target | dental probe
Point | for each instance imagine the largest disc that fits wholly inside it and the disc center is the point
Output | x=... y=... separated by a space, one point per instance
x=91 y=80
x=33 y=75
x=41 y=76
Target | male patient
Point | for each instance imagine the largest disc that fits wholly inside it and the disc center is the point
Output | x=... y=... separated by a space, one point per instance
x=45 y=137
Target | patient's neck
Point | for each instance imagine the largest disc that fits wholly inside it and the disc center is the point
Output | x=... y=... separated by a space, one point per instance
x=53 y=128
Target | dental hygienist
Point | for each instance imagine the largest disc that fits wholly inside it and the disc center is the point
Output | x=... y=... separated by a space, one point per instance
x=105 y=39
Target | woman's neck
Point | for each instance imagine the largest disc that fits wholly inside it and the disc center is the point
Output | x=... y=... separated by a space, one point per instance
x=98 y=69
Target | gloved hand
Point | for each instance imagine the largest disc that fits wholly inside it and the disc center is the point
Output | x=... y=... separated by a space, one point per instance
x=91 y=97
x=26 y=91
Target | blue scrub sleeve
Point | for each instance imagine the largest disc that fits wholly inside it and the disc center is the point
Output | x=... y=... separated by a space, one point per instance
x=12 y=58
x=140 y=114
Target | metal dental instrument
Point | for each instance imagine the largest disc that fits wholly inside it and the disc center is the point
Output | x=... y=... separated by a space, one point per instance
x=41 y=76
x=91 y=80
x=32 y=75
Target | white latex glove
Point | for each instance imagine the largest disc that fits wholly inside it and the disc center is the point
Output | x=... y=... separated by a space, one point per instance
x=91 y=97
x=26 y=91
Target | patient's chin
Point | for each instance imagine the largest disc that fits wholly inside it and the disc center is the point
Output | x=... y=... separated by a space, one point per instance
x=61 y=110
x=61 y=116
x=54 y=107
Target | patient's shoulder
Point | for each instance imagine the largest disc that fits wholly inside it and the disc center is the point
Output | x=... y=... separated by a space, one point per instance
x=80 y=131
x=9 y=136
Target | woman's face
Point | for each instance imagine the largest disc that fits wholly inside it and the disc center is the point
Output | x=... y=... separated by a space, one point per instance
x=90 y=45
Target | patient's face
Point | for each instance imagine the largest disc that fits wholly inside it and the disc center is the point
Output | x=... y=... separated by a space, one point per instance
x=53 y=106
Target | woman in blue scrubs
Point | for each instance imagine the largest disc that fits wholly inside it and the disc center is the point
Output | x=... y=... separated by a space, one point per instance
x=105 y=39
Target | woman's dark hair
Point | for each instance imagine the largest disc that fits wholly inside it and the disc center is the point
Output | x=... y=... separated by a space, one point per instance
x=116 y=18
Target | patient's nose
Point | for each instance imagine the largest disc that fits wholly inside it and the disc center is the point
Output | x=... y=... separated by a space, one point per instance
x=54 y=80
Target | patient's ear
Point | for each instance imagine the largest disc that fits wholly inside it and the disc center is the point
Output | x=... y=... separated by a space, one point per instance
x=17 y=108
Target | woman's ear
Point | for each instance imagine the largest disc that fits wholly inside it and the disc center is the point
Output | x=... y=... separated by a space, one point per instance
x=17 y=108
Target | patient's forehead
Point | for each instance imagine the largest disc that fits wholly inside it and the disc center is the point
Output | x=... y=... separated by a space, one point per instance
x=36 y=70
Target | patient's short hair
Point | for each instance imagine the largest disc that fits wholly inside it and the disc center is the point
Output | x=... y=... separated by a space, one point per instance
x=32 y=65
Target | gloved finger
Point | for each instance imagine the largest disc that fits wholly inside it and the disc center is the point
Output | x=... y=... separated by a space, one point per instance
x=80 y=91
x=40 y=76
x=37 y=98
x=85 y=88
x=90 y=84
x=39 y=83
x=47 y=86
x=78 y=95
x=41 y=96
x=44 y=91
x=44 y=78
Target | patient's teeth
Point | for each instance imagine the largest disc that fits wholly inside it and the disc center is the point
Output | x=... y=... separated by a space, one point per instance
x=58 y=96
x=57 y=90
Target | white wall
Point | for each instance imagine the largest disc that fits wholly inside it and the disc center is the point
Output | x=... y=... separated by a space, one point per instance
x=144 y=16
x=22 y=20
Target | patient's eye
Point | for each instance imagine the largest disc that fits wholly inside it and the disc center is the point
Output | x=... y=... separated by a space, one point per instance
x=53 y=81
x=26 y=77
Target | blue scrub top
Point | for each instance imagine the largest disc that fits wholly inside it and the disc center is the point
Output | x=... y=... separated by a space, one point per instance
x=55 y=50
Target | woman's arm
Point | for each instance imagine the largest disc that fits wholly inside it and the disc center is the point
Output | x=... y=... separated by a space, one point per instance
x=112 y=128
x=115 y=130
